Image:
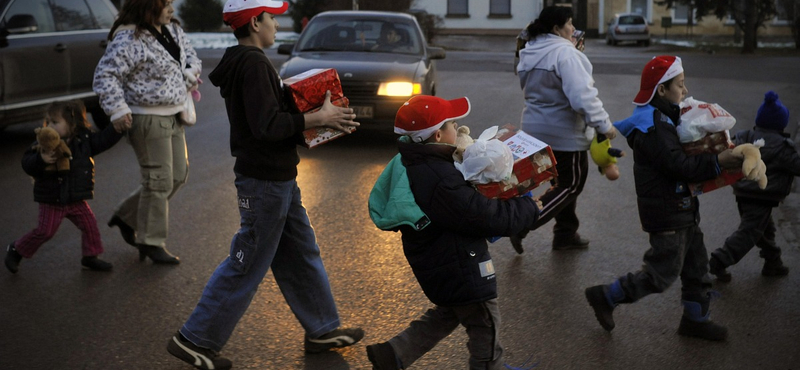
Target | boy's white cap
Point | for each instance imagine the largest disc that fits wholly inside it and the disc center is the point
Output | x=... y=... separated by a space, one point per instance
x=238 y=13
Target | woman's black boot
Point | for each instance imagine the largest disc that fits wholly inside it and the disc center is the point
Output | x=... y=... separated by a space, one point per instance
x=157 y=254
x=128 y=233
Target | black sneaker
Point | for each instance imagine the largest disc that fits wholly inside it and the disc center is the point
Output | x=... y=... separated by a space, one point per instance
x=382 y=357
x=572 y=242
x=336 y=339
x=12 y=259
x=715 y=268
x=703 y=330
x=95 y=264
x=774 y=267
x=201 y=358
x=602 y=310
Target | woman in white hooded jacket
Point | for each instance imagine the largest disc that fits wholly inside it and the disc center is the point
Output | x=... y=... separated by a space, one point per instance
x=142 y=82
x=563 y=110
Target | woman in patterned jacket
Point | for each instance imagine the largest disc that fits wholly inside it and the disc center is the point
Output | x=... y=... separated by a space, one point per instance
x=142 y=82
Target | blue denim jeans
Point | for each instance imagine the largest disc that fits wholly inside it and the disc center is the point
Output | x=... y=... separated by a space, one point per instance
x=275 y=232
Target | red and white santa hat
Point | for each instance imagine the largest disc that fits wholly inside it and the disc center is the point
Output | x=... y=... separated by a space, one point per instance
x=422 y=115
x=238 y=13
x=657 y=71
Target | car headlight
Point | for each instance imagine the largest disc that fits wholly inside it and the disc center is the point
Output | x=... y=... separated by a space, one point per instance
x=399 y=89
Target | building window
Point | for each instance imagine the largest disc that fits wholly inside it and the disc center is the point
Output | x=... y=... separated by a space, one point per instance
x=785 y=9
x=458 y=8
x=641 y=7
x=499 y=7
x=680 y=14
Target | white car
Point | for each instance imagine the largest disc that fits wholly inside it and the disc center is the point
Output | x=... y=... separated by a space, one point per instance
x=628 y=27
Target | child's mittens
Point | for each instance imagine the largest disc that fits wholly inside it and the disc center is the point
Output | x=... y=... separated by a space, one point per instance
x=753 y=167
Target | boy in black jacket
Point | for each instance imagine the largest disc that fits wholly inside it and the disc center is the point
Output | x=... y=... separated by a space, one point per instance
x=448 y=254
x=667 y=210
x=755 y=205
x=275 y=230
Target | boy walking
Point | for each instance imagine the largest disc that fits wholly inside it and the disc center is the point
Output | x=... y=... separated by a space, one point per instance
x=667 y=210
x=755 y=205
x=275 y=230
x=444 y=222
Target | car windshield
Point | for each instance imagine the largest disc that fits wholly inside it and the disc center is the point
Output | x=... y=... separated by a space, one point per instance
x=631 y=20
x=367 y=35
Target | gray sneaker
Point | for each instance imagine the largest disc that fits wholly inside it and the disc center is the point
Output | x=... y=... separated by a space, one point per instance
x=335 y=339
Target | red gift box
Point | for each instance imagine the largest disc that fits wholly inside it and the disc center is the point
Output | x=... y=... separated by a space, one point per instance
x=713 y=143
x=308 y=88
x=320 y=135
x=308 y=94
x=725 y=178
x=534 y=164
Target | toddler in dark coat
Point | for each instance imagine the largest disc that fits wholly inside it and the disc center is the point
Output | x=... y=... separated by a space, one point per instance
x=63 y=195
x=755 y=205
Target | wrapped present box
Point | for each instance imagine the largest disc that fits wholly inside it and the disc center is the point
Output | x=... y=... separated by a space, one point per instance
x=534 y=164
x=308 y=94
x=712 y=143
x=715 y=143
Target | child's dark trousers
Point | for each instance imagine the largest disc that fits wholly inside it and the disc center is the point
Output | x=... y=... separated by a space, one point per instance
x=756 y=228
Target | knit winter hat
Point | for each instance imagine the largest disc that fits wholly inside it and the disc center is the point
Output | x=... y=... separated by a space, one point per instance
x=657 y=71
x=238 y=13
x=422 y=115
x=772 y=114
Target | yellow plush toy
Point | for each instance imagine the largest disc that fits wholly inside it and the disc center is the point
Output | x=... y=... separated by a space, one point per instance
x=605 y=157
x=48 y=140
x=753 y=167
x=463 y=140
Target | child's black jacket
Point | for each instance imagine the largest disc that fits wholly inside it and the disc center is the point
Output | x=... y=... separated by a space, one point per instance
x=783 y=164
x=78 y=183
x=446 y=256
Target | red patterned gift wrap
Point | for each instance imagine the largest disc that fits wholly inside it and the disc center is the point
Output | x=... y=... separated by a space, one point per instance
x=530 y=169
x=308 y=94
x=308 y=88
x=319 y=135
x=712 y=143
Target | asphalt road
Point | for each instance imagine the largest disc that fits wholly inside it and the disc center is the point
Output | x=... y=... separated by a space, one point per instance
x=53 y=315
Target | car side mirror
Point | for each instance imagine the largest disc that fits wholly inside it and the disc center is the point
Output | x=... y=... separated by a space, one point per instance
x=22 y=23
x=285 y=49
x=435 y=52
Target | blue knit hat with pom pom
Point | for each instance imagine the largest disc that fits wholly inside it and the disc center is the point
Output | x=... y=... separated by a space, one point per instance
x=772 y=114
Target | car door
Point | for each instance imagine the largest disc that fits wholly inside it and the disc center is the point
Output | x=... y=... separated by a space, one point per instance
x=83 y=26
x=33 y=62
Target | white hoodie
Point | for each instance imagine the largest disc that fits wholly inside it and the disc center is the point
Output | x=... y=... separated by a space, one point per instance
x=560 y=98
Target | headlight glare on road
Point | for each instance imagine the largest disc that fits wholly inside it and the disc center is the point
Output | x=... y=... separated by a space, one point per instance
x=399 y=89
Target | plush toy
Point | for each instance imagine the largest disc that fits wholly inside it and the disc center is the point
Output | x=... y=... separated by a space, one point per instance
x=605 y=157
x=48 y=140
x=753 y=167
x=463 y=140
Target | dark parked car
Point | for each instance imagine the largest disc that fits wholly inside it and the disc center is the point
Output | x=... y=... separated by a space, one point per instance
x=628 y=27
x=48 y=52
x=378 y=73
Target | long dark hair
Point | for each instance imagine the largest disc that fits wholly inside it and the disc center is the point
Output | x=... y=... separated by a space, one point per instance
x=140 y=13
x=549 y=17
x=72 y=111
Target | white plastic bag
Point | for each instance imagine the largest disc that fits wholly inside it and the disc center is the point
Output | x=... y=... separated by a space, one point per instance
x=487 y=159
x=188 y=115
x=699 y=118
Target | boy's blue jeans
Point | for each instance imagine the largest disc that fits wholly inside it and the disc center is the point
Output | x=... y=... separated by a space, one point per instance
x=275 y=232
